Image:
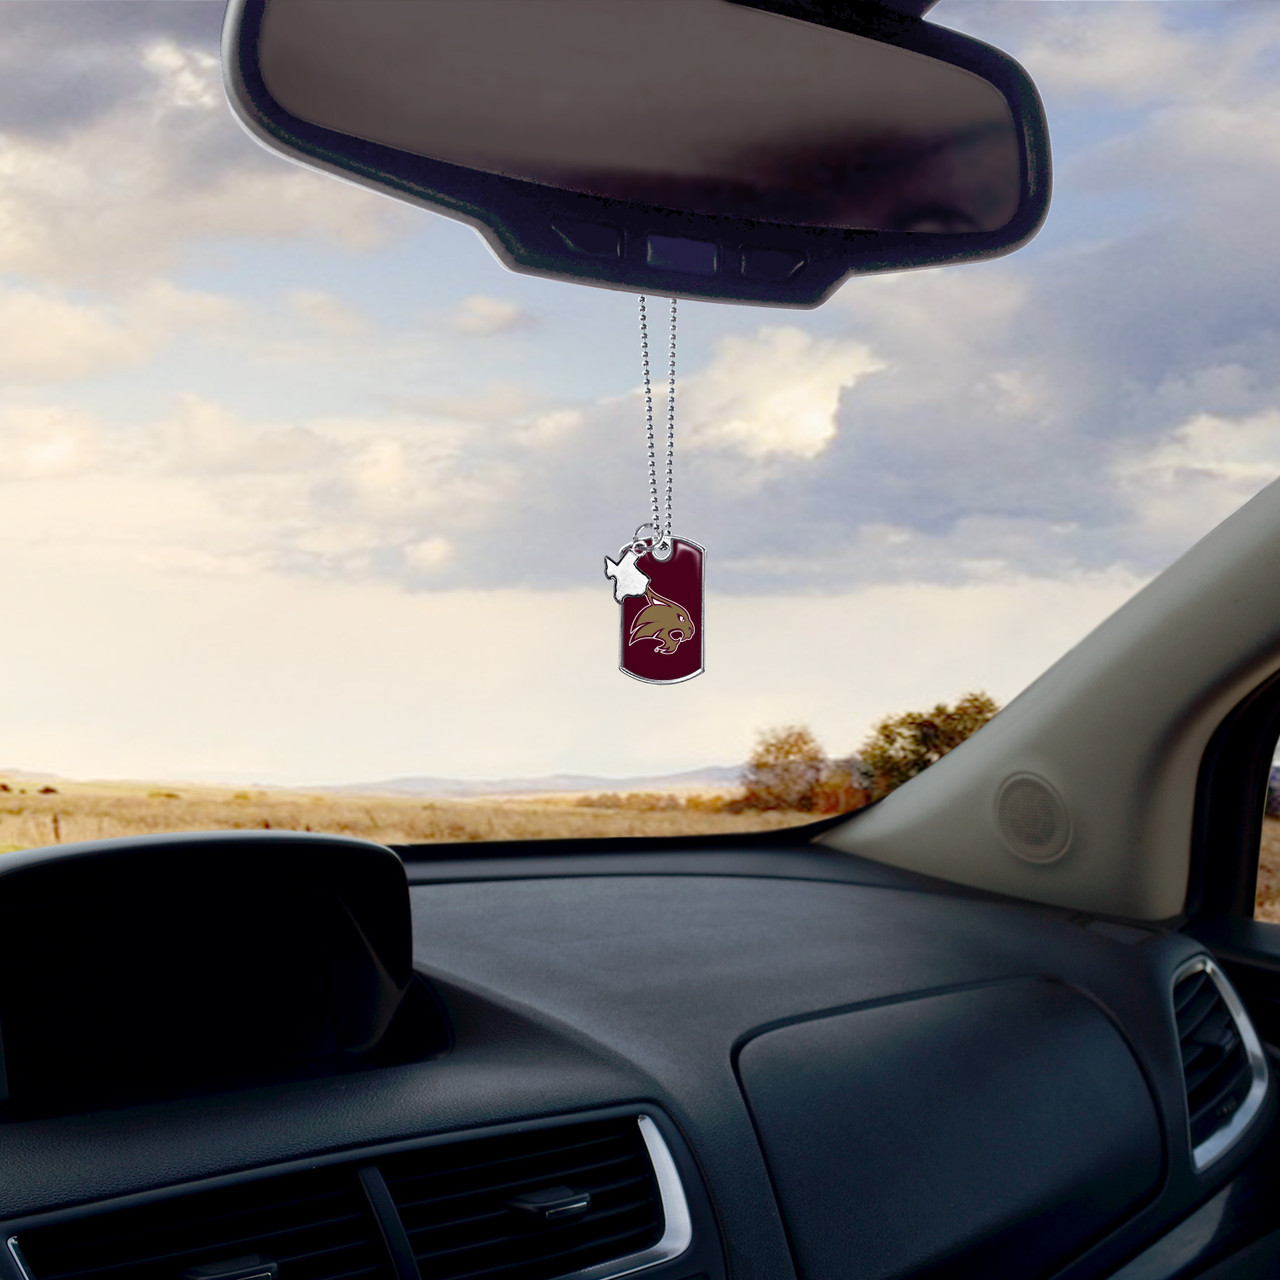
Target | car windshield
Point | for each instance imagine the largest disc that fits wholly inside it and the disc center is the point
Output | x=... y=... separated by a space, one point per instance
x=304 y=501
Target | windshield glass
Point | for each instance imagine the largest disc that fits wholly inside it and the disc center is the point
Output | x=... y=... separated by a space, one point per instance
x=304 y=500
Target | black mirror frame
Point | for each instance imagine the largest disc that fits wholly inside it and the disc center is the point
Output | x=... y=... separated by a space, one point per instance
x=583 y=239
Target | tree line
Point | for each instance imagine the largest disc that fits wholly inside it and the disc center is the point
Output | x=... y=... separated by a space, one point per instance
x=788 y=769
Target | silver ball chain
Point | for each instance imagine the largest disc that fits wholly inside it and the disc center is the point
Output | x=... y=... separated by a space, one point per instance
x=661 y=524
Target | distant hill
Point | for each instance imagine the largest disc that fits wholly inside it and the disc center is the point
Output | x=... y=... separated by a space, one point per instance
x=713 y=776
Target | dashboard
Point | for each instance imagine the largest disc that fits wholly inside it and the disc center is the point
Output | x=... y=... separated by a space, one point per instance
x=746 y=1058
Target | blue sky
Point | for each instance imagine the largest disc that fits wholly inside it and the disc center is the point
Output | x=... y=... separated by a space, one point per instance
x=298 y=484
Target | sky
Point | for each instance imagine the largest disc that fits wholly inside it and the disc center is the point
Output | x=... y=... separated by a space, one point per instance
x=299 y=485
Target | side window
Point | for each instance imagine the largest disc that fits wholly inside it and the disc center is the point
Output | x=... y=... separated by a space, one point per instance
x=1267 y=902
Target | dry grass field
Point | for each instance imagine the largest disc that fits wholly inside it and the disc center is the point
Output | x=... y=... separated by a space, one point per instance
x=1268 y=907
x=33 y=812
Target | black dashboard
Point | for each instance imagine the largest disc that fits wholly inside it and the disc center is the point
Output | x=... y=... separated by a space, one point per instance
x=751 y=1060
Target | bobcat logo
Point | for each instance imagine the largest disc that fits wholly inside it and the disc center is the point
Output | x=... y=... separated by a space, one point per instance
x=662 y=620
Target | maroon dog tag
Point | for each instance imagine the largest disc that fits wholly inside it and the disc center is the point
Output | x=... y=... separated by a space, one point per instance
x=661 y=640
x=662 y=629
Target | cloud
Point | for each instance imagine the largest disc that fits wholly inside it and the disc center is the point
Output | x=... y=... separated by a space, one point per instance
x=555 y=427
x=46 y=337
x=330 y=498
x=160 y=165
x=43 y=441
x=328 y=314
x=1201 y=473
x=1132 y=52
x=774 y=393
x=492 y=401
x=482 y=316
x=190 y=77
x=66 y=64
x=203 y=439
x=428 y=554
x=1179 y=98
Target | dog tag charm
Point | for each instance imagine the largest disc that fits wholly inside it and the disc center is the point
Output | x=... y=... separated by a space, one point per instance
x=661 y=638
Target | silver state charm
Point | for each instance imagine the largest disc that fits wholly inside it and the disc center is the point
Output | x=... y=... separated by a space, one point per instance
x=627 y=579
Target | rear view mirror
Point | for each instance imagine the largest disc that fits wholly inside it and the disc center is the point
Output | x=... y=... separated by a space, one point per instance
x=741 y=150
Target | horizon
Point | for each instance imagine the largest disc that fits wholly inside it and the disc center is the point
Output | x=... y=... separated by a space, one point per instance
x=254 y=780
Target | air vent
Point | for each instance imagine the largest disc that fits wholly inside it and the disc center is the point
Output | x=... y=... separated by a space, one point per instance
x=314 y=1225
x=582 y=1201
x=1222 y=1060
x=466 y=1205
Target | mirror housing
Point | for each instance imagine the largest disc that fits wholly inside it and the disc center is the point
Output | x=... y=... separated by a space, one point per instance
x=785 y=204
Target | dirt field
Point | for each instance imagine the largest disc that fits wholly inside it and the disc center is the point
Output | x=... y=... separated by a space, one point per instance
x=73 y=811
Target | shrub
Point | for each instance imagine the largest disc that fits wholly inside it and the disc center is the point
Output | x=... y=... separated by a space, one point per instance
x=840 y=790
x=785 y=771
x=697 y=802
x=635 y=801
x=900 y=747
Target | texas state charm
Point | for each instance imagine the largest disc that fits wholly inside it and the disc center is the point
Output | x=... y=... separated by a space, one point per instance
x=661 y=640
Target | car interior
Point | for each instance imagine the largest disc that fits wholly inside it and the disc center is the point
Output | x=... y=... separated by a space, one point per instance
x=1015 y=1020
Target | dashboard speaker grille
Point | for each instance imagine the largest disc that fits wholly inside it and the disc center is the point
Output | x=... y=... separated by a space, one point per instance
x=455 y=1201
x=315 y=1225
x=1032 y=819
x=1222 y=1062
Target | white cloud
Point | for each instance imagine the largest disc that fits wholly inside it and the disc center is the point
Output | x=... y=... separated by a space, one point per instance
x=201 y=438
x=483 y=316
x=492 y=402
x=201 y=485
x=428 y=553
x=1206 y=469
x=774 y=393
x=1199 y=94
x=329 y=314
x=40 y=441
x=949 y=310
x=553 y=427
x=382 y=468
x=1127 y=51
x=191 y=77
x=45 y=338
x=120 y=196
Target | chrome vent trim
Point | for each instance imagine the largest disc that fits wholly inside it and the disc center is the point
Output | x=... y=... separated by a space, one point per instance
x=677 y=1232
x=530 y=1159
x=1218 y=1143
x=18 y=1260
x=677 y=1225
